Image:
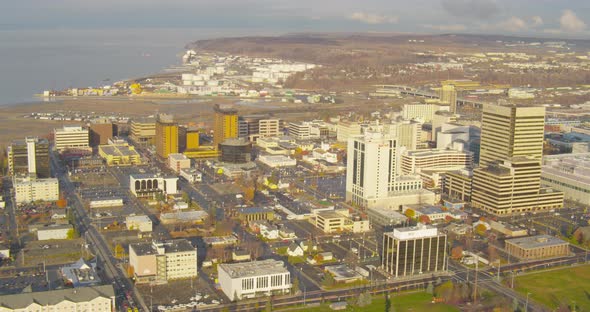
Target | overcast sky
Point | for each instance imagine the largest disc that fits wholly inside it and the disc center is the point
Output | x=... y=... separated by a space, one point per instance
x=553 y=18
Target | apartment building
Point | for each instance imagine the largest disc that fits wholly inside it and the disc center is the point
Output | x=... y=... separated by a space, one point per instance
x=29 y=189
x=29 y=157
x=163 y=261
x=93 y=298
x=71 y=137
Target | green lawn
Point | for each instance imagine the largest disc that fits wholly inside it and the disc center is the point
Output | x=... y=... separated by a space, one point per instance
x=558 y=287
x=415 y=302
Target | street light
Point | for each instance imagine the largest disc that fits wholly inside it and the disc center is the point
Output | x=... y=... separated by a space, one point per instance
x=526 y=304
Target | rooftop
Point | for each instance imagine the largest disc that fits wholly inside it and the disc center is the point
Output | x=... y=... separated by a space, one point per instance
x=531 y=242
x=250 y=210
x=53 y=297
x=170 y=246
x=253 y=268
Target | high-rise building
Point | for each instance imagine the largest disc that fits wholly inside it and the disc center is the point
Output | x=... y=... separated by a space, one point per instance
x=509 y=177
x=143 y=131
x=225 y=124
x=414 y=251
x=252 y=127
x=424 y=112
x=448 y=95
x=511 y=131
x=373 y=169
x=29 y=157
x=71 y=137
x=101 y=130
x=166 y=136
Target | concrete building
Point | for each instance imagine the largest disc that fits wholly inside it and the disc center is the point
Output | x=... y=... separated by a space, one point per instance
x=30 y=189
x=93 y=298
x=423 y=112
x=513 y=186
x=452 y=135
x=269 y=128
x=163 y=261
x=372 y=173
x=29 y=157
x=71 y=137
x=346 y=129
x=119 y=154
x=191 y=175
x=448 y=95
x=101 y=130
x=166 y=136
x=570 y=174
x=309 y=130
x=250 y=279
x=458 y=185
x=509 y=177
x=511 y=131
x=277 y=161
x=432 y=164
x=252 y=127
x=254 y=213
x=333 y=221
x=141 y=223
x=143 y=131
x=537 y=247
x=177 y=162
x=440 y=118
x=225 y=124
x=54 y=232
x=385 y=218
x=150 y=185
x=414 y=251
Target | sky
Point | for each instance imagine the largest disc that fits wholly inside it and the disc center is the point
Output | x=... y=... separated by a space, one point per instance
x=543 y=18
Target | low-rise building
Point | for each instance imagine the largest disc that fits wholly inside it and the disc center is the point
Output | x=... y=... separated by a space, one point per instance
x=30 y=189
x=163 y=261
x=177 y=162
x=141 y=223
x=106 y=202
x=249 y=279
x=569 y=173
x=414 y=251
x=385 y=217
x=55 y=232
x=195 y=216
x=119 y=154
x=191 y=175
x=537 y=247
x=277 y=161
x=507 y=229
x=150 y=185
x=240 y=255
x=94 y=298
x=331 y=221
x=255 y=213
x=80 y=274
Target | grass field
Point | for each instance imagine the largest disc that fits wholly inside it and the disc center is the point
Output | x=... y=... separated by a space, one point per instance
x=558 y=287
x=415 y=302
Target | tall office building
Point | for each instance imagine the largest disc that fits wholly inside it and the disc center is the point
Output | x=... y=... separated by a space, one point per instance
x=29 y=157
x=71 y=137
x=101 y=130
x=373 y=170
x=414 y=251
x=511 y=131
x=448 y=95
x=166 y=136
x=143 y=131
x=225 y=124
x=509 y=177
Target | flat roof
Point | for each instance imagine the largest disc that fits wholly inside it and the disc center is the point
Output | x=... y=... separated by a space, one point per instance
x=254 y=268
x=254 y=210
x=170 y=246
x=531 y=242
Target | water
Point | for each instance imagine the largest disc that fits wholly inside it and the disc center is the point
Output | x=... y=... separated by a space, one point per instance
x=35 y=60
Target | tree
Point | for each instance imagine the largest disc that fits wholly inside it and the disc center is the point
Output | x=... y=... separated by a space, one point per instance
x=410 y=213
x=388 y=306
x=71 y=234
x=364 y=299
x=430 y=289
x=295 y=285
x=481 y=229
x=249 y=192
x=424 y=219
x=119 y=251
x=130 y=271
x=328 y=279
x=457 y=253
x=268 y=306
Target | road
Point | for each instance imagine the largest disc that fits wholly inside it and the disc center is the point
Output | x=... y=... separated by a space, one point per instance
x=85 y=227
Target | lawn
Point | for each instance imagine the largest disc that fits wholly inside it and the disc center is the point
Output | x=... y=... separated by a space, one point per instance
x=558 y=287
x=415 y=302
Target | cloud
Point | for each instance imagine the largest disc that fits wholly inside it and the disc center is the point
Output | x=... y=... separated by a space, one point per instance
x=570 y=22
x=536 y=21
x=513 y=24
x=373 y=19
x=471 y=9
x=446 y=28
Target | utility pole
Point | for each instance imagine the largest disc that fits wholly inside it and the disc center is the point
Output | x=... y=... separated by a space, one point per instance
x=526 y=304
x=475 y=285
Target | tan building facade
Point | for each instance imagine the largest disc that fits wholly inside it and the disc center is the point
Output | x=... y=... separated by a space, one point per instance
x=537 y=247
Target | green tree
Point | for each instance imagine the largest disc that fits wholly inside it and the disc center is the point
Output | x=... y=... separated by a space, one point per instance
x=71 y=234
x=119 y=251
x=410 y=213
x=295 y=285
x=268 y=306
x=328 y=279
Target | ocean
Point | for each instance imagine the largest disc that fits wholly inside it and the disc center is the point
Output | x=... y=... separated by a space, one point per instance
x=35 y=60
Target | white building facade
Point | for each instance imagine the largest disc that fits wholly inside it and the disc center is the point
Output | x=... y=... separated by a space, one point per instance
x=71 y=137
x=29 y=189
x=248 y=279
